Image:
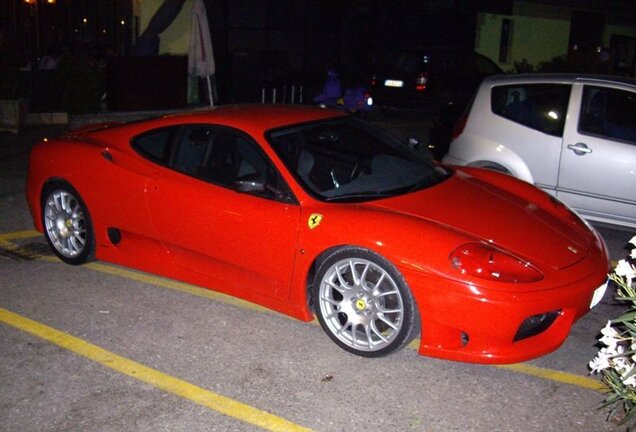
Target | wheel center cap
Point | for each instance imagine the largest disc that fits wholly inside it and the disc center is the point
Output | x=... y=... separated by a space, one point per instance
x=63 y=225
x=361 y=304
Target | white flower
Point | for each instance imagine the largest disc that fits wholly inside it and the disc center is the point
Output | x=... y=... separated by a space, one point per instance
x=631 y=381
x=633 y=241
x=633 y=254
x=600 y=362
x=610 y=337
x=621 y=364
x=626 y=270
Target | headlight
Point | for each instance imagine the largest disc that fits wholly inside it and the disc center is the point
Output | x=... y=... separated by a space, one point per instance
x=486 y=262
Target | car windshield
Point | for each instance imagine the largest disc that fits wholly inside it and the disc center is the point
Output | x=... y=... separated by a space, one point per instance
x=350 y=160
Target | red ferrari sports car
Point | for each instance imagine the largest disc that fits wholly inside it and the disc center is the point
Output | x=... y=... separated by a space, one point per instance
x=313 y=212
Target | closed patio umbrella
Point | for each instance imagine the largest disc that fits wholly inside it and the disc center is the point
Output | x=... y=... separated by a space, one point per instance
x=200 y=55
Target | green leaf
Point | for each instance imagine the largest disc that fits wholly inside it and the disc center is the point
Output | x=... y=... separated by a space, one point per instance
x=629 y=316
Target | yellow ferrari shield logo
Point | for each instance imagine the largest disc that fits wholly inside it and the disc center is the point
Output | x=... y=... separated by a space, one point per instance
x=314 y=220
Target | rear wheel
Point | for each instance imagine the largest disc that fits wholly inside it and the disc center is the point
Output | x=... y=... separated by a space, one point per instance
x=363 y=303
x=67 y=224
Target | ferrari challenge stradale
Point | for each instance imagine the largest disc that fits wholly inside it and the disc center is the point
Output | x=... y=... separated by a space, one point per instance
x=313 y=212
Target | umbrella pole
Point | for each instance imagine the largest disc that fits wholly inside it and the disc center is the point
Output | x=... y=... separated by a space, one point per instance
x=207 y=78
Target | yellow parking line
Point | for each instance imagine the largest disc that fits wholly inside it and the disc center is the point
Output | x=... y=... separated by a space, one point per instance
x=555 y=375
x=17 y=235
x=5 y=239
x=184 y=389
x=523 y=368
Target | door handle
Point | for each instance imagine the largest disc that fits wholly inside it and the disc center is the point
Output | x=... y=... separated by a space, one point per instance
x=580 y=149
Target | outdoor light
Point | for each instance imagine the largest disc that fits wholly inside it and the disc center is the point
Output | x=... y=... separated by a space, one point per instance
x=29 y=1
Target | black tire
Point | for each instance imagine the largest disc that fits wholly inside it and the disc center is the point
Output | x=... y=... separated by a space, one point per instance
x=67 y=224
x=363 y=303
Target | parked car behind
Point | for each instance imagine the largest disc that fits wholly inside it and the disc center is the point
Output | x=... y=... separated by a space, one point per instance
x=440 y=80
x=428 y=77
x=573 y=136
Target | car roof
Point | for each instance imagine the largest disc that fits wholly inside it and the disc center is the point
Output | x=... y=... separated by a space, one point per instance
x=558 y=78
x=254 y=118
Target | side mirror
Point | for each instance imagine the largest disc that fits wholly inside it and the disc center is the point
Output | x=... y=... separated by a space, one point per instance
x=414 y=143
x=418 y=147
x=252 y=183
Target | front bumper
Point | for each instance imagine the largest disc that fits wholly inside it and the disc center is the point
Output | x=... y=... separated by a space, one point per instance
x=463 y=322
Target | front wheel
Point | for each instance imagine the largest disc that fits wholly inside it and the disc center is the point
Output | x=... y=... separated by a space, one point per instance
x=67 y=224
x=363 y=303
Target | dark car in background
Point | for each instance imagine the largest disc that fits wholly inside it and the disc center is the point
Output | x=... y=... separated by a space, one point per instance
x=440 y=80
x=427 y=77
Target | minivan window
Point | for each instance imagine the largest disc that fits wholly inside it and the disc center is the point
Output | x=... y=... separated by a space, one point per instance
x=609 y=113
x=538 y=106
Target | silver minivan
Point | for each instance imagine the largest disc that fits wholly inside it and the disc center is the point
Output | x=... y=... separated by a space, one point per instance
x=574 y=136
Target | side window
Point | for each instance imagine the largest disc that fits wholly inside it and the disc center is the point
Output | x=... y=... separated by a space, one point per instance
x=608 y=113
x=155 y=145
x=412 y=63
x=192 y=148
x=233 y=160
x=542 y=107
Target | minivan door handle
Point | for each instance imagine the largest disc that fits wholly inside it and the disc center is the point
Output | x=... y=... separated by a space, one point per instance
x=580 y=149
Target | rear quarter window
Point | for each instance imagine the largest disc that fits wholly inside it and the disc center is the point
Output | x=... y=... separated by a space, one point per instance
x=155 y=145
x=541 y=107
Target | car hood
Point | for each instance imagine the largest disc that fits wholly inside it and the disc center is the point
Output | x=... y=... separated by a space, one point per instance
x=495 y=216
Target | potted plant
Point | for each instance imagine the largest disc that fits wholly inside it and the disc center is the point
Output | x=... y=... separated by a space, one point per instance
x=13 y=108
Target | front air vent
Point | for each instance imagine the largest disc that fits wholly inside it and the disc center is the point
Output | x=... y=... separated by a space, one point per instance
x=114 y=235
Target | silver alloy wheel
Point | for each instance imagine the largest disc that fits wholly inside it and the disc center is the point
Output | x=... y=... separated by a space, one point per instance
x=65 y=223
x=361 y=304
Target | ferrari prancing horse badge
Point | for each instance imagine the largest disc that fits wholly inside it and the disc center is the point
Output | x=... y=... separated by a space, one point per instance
x=314 y=220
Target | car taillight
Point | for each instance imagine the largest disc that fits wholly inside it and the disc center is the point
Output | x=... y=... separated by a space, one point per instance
x=421 y=81
x=374 y=81
x=486 y=262
x=458 y=129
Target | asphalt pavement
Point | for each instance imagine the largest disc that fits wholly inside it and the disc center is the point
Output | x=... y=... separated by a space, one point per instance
x=103 y=348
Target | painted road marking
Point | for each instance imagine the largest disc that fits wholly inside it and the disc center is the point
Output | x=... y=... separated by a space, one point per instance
x=222 y=404
x=555 y=375
x=522 y=368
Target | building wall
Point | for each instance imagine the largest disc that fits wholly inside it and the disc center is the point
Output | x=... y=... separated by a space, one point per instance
x=176 y=38
x=539 y=33
x=620 y=30
x=535 y=39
